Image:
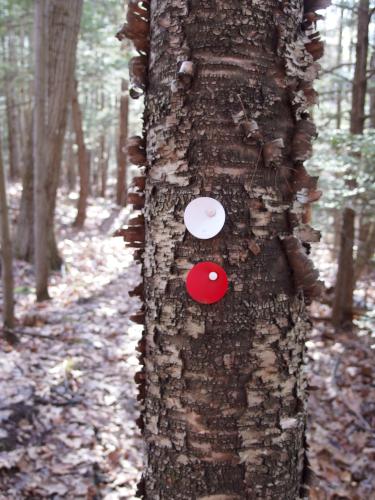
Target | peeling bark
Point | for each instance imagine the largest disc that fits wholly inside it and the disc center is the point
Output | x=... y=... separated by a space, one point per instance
x=222 y=387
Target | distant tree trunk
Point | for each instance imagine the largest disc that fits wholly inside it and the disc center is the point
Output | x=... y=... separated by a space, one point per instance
x=70 y=170
x=103 y=165
x=343 y=301
x=121 y=192
x=83 y=159
x=342 y=313
x=11 y=112
x=366 y=240
x=24 y=243
x=372 y=90
x=366 y=248
x=357 y=116
x=338 y=62
x=222 y=386
x=64 y=21
x=39 y=154
x=6 y=253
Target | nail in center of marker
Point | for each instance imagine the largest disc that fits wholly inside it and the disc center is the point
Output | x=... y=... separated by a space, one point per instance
x=211 y=212
x=213 y=276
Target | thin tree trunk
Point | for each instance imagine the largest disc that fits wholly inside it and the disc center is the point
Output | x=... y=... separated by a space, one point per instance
x=224 y=408
x=39 y=154
x=11 y=112
x=338 y=62
x=342 y=313
x=372 y=90
x=6 y=254
x=121 y=192
x=103 y=165
x=83 y=159
x=70 y=170
x=24 y=243
x=357 y=116
x=366 y=249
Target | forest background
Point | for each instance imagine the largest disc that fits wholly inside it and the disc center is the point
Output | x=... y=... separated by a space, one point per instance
x=68 y=409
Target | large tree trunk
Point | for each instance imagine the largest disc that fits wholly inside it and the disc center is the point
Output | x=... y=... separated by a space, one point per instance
x=6 y=254
x=39 y=154
x=342 y=313
x=121 y=191
x=226 y=117
x=83 y=160
x=357 y=116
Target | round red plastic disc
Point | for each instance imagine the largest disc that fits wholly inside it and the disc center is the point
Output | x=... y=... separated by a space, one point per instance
x=207 y=283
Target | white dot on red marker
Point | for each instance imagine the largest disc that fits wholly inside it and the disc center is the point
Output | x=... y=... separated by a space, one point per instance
x=213 y=276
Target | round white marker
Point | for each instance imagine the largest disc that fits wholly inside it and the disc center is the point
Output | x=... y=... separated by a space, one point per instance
x=204 y=217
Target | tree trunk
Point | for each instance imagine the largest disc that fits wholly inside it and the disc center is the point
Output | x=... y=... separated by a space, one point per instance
x=345 y=271
x=224 y=410
x=357 y=117
x=338 y=63
x=103 y=165
x=83 y=159
x=11 y=112
x=64 y=21
x=70 y=160
x=6 y=254
x=342 y=313
x=366 y=248
x=24 y=244
x=121 y=193
x=372 y=90
x=39 y=154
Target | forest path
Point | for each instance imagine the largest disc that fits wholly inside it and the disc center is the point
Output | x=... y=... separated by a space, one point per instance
x=68 y=400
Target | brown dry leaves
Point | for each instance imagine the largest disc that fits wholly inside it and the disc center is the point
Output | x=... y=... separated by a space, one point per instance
x=341 y=430
x=68 y=400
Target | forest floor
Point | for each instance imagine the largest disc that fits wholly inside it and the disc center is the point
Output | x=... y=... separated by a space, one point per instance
x=68 y=400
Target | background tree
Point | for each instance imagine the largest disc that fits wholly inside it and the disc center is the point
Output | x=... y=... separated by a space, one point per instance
x=52 y=94
x=6 y=254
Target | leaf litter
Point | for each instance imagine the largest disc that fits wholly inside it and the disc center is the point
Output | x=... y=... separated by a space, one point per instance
x=68 y=400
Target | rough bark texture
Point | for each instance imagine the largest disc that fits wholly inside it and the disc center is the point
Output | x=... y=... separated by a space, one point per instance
x=342 y=312
x=223 y=384
x=83 y=159
x=121 y=192
x=6 y=254
x=357 y=117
